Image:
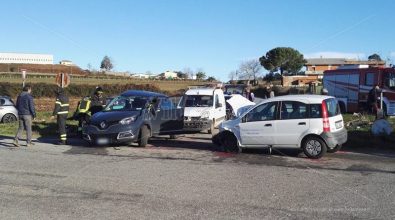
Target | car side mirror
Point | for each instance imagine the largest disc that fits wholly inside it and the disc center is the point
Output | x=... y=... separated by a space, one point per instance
x=219 y=105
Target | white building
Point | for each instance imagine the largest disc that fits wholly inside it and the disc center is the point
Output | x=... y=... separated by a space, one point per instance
x=26 y=58
x=168 y=75
x=66 y=63
x=142 y=75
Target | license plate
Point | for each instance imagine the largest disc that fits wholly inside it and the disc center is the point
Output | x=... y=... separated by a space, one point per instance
x=102 y=141
x=339 y=124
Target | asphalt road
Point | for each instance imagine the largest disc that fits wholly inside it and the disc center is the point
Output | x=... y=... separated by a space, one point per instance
x=188 y=179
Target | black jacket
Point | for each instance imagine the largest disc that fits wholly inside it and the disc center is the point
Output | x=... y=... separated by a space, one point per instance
x=97 y=104
x=25 y=104
x=61 y=105
x=373 y=96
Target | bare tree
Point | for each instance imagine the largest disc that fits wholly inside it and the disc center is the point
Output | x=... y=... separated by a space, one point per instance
x=250 y=70
x=233 y=75
x=189 y=72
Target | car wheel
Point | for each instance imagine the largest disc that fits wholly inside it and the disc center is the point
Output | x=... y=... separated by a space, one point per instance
x=173 y=136
x=8 y=118
x=229 y=143
x=216 y=139
x=143 y=136
x=211 y=130
x=314 y=147
x=335 y=149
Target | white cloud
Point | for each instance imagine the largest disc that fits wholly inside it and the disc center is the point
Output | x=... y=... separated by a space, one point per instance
x=329 y=54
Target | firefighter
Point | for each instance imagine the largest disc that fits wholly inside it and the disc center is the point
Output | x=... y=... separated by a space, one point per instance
x=83 y=114
x=61 y=111
x=373 y=99
x=98 y=102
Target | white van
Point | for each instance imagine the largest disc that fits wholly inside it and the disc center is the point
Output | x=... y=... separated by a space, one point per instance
x=310 y=122
x=204 y=109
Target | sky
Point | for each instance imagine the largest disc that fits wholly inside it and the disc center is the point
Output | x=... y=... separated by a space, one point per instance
x=210 y=35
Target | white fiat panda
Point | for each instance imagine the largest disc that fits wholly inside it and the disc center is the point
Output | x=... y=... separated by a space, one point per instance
x=310 y=122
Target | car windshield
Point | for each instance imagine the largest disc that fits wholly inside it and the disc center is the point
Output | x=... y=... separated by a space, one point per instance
x=389 y=80
x=199 y=101
x=126 y=103
x=234 y=90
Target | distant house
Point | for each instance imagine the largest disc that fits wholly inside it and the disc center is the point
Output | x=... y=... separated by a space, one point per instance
x=300 y=80
x=168 y=75
x=142 y=75
x=66 y=63
x=317 y=66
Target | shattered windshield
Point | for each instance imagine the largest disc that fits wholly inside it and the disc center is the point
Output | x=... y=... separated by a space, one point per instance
x=126 y=103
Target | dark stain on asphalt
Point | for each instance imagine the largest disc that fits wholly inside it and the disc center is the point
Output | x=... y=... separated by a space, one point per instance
x=23 y=173
x=87 y=150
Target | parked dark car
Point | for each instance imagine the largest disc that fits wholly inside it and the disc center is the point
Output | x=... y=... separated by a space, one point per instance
x=8 y=112
x=134 y=116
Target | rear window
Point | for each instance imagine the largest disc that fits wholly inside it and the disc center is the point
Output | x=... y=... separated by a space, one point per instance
x=332 y=107
x=315 y=111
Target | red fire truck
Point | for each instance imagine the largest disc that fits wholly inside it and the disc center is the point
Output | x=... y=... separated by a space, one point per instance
x=351 y=84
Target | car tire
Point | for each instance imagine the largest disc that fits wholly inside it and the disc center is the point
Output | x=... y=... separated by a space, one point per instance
x=211 y=130
x=216 y=139
x=173 y=136
x=229 y=143
x=9 y=118
x=335 y=149
x=314 y=147
x=143 y=136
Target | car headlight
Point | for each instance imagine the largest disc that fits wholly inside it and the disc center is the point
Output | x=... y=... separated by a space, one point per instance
x=128 y=120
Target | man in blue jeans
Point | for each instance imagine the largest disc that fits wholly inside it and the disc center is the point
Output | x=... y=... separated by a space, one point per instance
x=27 y=113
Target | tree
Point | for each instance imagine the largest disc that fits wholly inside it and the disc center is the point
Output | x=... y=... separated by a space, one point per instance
x=211 y=79
x=250 y=69
x=283 y=59
x=200 y=75
x=375 y=57
x=106 y=63
x=181 y=75
x=189 y=72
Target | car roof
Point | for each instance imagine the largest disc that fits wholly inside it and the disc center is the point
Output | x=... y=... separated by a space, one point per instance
x=142 y=93
x=302 y=98
x=201 y=91
x=4 y=96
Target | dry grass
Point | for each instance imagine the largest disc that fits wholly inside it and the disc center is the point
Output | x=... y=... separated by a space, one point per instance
x=164 y=85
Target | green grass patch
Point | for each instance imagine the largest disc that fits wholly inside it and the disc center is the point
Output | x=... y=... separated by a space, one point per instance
x=43 y=126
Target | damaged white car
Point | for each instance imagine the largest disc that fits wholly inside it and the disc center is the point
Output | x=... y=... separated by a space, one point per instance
x=310 y=122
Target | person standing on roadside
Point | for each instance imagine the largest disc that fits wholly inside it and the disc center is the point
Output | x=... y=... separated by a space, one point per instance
x=373 y=98
x=27 y=113
x=61 y=111
x=248 y=94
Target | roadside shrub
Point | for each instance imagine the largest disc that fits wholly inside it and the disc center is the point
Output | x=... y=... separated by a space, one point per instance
x=47 y=90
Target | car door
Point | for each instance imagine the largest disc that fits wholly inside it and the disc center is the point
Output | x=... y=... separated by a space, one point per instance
x=219 y=109
x=169 y=118
x=258 y=126
x=292 y=124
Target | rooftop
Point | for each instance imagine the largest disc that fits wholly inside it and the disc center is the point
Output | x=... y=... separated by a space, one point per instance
x=341 y=61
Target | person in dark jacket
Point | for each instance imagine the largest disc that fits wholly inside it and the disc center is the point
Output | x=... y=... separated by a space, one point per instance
x=61 y=110
x=26 y=112
x=98 y=102
x=373 y=98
